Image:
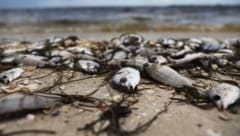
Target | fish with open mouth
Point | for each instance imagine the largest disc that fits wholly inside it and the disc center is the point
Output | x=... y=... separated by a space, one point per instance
x=127 y=79
x=224 y=95
x=11 y=74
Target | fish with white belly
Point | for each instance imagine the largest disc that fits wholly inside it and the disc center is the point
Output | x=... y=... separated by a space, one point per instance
x=9 y=75
x=126 y=79
x=224 y=95
x=167 y=75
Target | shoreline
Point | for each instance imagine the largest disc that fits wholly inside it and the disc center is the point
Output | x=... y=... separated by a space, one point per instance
x=131 y=26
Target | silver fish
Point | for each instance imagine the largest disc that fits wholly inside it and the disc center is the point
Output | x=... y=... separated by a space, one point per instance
x=182 y=52
x=224 y=95
x=131 y=39
x=31 y=60
x=168 y=42
x=157 y=59
x=136 y=62
x=167 y=75
x=80 y=50
x=9 y=75
x=117 y=57
x=62 y=53
x=12 y=52
x=126 y=78
x=21 y=102
x=210 y=44
x=88 y=66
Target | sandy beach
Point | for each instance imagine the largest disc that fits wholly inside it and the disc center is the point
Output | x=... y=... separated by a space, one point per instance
x=175 y=118
x=156 y=109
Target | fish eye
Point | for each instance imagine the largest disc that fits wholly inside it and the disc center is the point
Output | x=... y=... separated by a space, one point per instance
x=123 y=80
x=156 y=50
x=4 y=77
x=152 y=59
x=145 y=65
x=216 y=97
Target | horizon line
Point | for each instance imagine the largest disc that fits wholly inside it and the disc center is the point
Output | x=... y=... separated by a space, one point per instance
x=120 y=6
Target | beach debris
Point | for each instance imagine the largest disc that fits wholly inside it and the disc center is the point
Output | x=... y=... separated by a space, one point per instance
x=10 y=75
x=224 y=95
x=127 y=79
x=18 y=88
x=20 y=102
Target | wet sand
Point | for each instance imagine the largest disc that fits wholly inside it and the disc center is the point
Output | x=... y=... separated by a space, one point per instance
x=179 y=119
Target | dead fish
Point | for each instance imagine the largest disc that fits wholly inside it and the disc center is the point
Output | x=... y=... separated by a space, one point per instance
x=9 y=75
x=85 y=57
x=157 y=59
x=131 y=39
x=147 y=52
x=56 y=41
x=198 y=56
x=20 y=102
x=57 y=60
x=137 y=62
x=237 y=64
x=224 y=95
x=167 y=42
x=117 y=57
x=8 y=60
x=126 y=78
x=167 y=75
x=62 y=53
x=182 y=52
x=31 y=60
x=80 y=50
x=88 y=66
x=39 y=46
x=12 y=52
x=210 y=44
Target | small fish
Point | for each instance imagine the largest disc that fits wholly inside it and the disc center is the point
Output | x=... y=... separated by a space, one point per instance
x=117 y=57
x=157 y=59
x=9 y=75
x=62 y=53
x=88 y=66
x=126 y=78
x=81 y=56
x=131 y=39
x=137 y=62
x=8 y=60
x=12 y=52
x=81 y=50
x=224 y=95
x=237 y=64
x=31 y=60
x=167 y=42
x=20 y=102
x=39 y=46
x=56 y=41
x=148 y=52
x=210 y=45
x=182 y=52
x=167 y=75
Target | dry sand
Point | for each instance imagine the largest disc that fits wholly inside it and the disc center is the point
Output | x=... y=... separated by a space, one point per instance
x=181 y=119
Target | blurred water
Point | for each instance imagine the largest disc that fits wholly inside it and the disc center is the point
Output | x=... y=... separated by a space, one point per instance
x=176 y=15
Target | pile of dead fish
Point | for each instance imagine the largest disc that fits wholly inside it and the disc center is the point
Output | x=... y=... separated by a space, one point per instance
x=133 y=57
